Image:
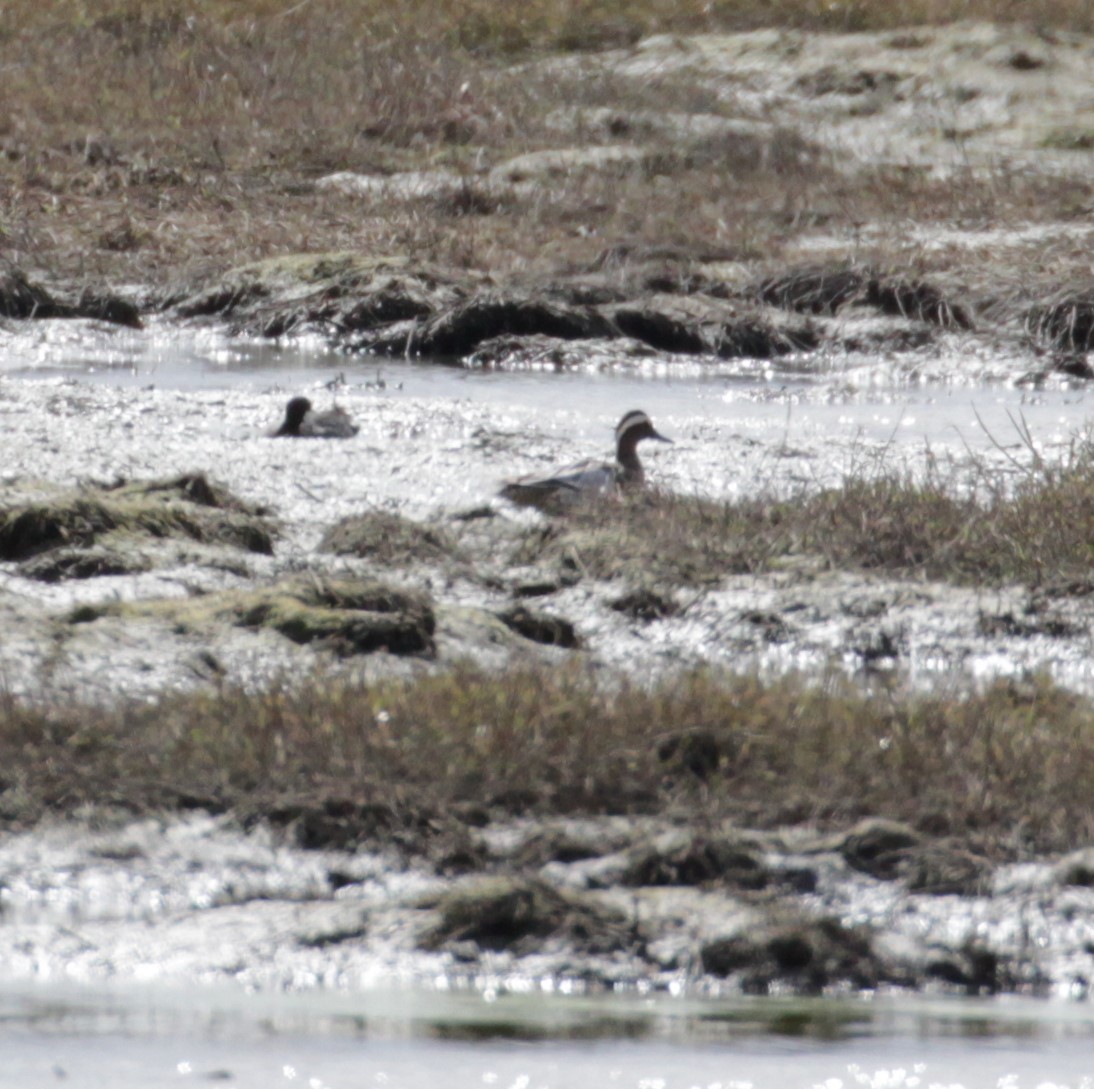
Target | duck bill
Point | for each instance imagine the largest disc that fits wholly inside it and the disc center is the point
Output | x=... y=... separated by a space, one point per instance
x=659 y=437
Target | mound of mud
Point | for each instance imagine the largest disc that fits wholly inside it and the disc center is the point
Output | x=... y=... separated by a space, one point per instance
x=349 y=617
x=522 y=915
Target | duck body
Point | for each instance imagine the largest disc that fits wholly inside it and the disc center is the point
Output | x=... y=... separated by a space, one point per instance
x=582 y=479
x=589 y=479
x=303 y=422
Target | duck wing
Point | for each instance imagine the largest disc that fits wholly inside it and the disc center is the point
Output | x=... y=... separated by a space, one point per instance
x=583 y=479
x=334 y=424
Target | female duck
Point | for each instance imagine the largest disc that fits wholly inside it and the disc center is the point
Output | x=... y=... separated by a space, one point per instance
x=302 y=422
x=590 y=478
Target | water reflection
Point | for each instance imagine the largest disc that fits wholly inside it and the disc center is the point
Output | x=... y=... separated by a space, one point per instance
x=412 y=1013
x=133 y=1037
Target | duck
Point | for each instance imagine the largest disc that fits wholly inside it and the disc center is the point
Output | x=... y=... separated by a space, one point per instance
x=301 y=421
x=590 y=478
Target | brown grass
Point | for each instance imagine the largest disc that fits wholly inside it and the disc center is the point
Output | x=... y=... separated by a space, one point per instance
x=142 y=139
x=535 y=24
x=976 y=525
x=978 y=529
x=1011 y=769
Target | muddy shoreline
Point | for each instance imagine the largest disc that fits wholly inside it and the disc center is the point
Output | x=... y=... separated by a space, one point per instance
x=876 y=196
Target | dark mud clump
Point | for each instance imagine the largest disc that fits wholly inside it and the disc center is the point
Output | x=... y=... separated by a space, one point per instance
x=461 y=329
x=19 y=298
x=388 y=538
x=696 y=860
x=339 y=823
x=645 y=604
x=803 y=954
x=187 y=506
x=973 y=968
x=62 y=564
x=523 y=915
x=876 y=847
x=556 y=845
x=540 y=627
x=891 y=851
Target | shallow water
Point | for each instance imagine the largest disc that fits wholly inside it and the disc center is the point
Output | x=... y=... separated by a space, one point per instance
x=953 y=399
x=124 y=1037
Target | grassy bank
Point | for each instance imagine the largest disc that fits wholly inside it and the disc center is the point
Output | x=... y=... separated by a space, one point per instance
x=1028 y=522
x=142 y=140
x=545 y=24
x=1010 y=769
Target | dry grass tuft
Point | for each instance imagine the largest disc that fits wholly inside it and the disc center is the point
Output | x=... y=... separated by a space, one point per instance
x=1011 y=768
x=975 y=530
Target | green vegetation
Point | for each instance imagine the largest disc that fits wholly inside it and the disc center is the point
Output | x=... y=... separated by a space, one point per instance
x=346 y=616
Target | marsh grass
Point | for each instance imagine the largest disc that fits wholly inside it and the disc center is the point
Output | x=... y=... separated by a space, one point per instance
x=488 y=26
x=662 y=538
x=1028 y=521
x=147 y=139
x=981 y=528
x=189 y=506
x=1011 y=769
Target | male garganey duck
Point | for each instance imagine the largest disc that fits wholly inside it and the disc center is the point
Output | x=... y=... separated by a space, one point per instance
x=589 y=478
x=302 y=422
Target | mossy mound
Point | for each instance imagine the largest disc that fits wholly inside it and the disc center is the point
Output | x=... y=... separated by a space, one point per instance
x=62 y=564
x=350 y=617
x=345 y=616
x=800 y=954
x=689 y=859
x=187 y=506
x=891 y=850
x=388 y=538
x=356 y=293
